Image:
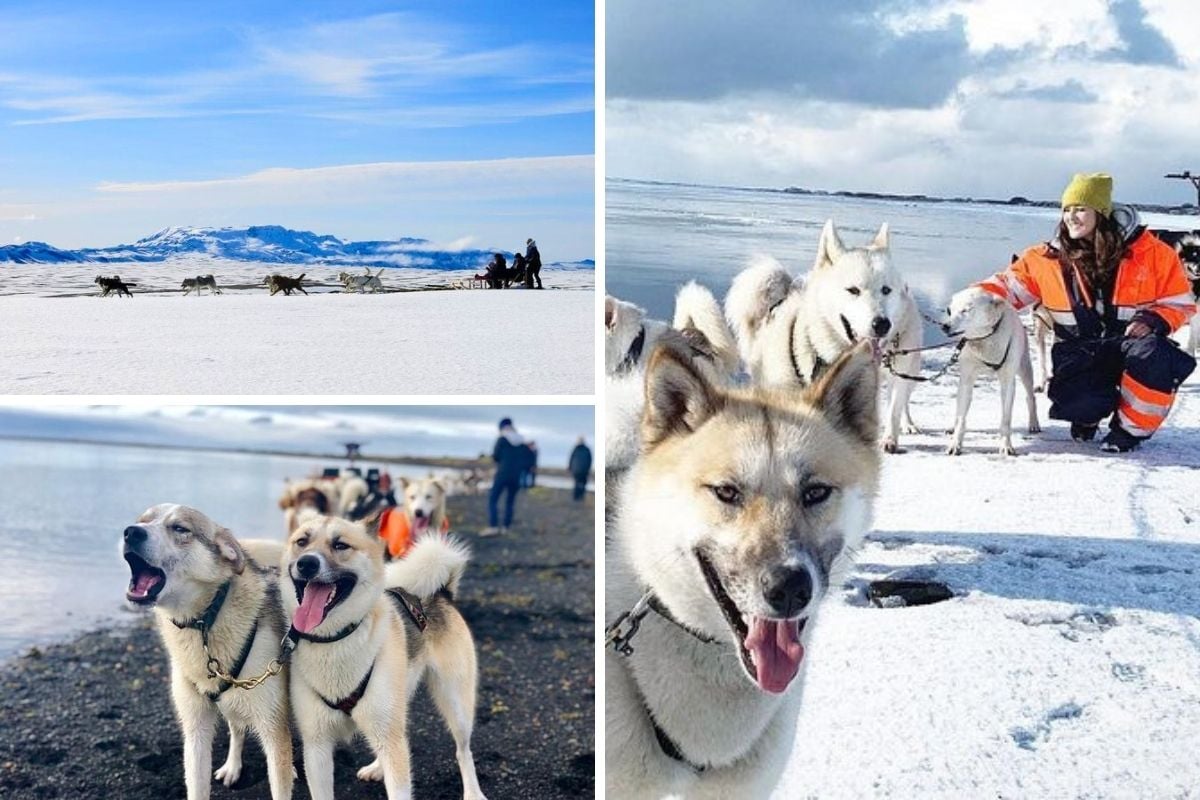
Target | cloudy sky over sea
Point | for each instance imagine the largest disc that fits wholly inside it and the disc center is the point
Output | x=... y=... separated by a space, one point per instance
x=986 y=98
x=468 y=123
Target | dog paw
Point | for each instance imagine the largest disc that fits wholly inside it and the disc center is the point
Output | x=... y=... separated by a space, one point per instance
x=1007 y=450
x=890 y=446
x=954 y=450
x=229 y=773
x=1035 y=428
x=372 y=771
x=910 y=429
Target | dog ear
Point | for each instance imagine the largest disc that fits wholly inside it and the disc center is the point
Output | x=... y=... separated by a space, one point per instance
x=440 y=484
x=611 y=311
x=403 y=483
x=678 y=396
x=848 y=394
x=230 y=550
x=880 y=242
x=829 y=247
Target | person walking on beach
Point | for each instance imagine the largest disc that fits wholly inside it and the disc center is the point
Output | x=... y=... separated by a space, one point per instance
x=580 y=465
x=1116 y=293
x=533 y=261
x=511 y=455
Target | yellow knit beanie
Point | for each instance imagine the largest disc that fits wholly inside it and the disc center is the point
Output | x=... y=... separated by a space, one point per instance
x=1093 y=191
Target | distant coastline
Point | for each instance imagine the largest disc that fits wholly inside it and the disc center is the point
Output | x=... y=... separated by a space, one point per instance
x=1183 y=209
x=439 y=462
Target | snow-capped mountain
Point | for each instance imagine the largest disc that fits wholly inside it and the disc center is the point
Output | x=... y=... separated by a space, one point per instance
x=264 y=244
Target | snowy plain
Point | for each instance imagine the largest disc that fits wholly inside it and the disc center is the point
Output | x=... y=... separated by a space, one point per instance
x=57 y=337
x=1067 y=664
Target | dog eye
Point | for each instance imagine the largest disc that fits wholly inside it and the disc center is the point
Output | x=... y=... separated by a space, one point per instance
x=301 y=542
x=340 y=546
x=727 y=494
x=886 y=290
x=179 y=528
x=854 y=290
x=815 y=495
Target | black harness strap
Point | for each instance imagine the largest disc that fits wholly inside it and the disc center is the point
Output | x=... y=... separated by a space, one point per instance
x=635 y=351
x=347 y=703
x=410 y=604
x=296 y=635
x=658 y=608
x=236 y=670
x=204 y=622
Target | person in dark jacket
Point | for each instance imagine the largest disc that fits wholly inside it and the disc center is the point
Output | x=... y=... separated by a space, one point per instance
x=533 y=261
x=512 y=456
x=580 y=465
x=1116 y=294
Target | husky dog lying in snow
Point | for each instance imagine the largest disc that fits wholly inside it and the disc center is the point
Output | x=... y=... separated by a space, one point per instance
x=727 y=532
x=362 y=282
x=995 y=339
x=282 y=283
x=630 y=336
x=790 y=333
x=113 y=284
x=201 y=282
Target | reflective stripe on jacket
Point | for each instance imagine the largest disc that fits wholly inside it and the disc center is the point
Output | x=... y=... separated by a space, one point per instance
x=1149 y=278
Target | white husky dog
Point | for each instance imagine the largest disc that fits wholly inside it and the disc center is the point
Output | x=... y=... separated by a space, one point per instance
x=993 y=339
x=789 y=333
x=630 y=336
x=728 y=530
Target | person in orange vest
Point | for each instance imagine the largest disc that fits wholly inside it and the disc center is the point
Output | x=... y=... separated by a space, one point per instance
x=1116 y=293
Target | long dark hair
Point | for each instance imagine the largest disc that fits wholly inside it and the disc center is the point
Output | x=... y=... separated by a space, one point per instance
x=1097 y=258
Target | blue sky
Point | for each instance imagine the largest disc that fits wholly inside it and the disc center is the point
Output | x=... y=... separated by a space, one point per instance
x=446 y=120
x=987 y=98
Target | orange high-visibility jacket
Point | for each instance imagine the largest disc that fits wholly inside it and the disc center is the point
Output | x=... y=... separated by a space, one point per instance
x=1150 y=277
x=396 y=530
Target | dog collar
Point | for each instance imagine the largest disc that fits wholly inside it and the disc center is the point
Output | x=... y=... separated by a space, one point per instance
x=635 y=351
x=204 y=622
x=621 y=632
x=296 y=635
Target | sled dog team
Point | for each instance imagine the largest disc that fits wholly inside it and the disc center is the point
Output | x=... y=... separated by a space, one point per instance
x=734 y=497
x=322 y=630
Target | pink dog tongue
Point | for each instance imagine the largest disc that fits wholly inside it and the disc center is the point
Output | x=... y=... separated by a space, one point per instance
x=421 y=524
x=777 y=652
x=311 y=612
x=144 y=582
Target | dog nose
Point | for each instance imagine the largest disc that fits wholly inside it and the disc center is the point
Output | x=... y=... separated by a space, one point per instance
x=420 y=512
x=308 y=566
x=135 y=534
x=881 y=325
x=788 y=591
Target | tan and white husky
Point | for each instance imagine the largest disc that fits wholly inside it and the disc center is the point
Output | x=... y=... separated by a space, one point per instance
x=366 y=633
x=728 y=531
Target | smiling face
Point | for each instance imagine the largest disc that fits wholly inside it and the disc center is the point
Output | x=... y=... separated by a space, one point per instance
x=425 y=503
x=747 y=500
x=335 y=568
x=1080 y=221
x=973 y=313
x=176 y=554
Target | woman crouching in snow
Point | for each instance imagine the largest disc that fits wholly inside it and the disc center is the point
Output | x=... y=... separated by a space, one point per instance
x=1115 y=293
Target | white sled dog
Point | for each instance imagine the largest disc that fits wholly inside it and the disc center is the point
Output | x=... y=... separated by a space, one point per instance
x=365 y=635
x=791 y=333
x=728 y=531
x=629 y=338
x=216 y=599
x=993 y=339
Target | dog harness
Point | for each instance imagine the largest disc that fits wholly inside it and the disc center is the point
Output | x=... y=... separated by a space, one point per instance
x=407 y=602
x=204 y=623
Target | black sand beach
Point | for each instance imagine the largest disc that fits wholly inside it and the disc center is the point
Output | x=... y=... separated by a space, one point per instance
x=92 y=718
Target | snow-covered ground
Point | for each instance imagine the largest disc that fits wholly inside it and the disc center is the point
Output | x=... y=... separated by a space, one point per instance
x=54 y=339
x=1068 y=663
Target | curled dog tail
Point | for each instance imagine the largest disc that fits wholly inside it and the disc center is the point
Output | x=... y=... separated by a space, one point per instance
x=695 y=307
x=756 y=290
x=433 y=563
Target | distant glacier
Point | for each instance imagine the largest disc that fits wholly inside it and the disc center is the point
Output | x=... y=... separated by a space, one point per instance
x=270 y=244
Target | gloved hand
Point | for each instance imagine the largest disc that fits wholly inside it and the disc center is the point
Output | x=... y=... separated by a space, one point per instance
x=1136 y=330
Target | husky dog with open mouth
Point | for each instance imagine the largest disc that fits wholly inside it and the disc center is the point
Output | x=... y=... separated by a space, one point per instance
x=851 y=295
x=425 y=505
x=218 y=613
x=365 y=634
x=729 y=529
